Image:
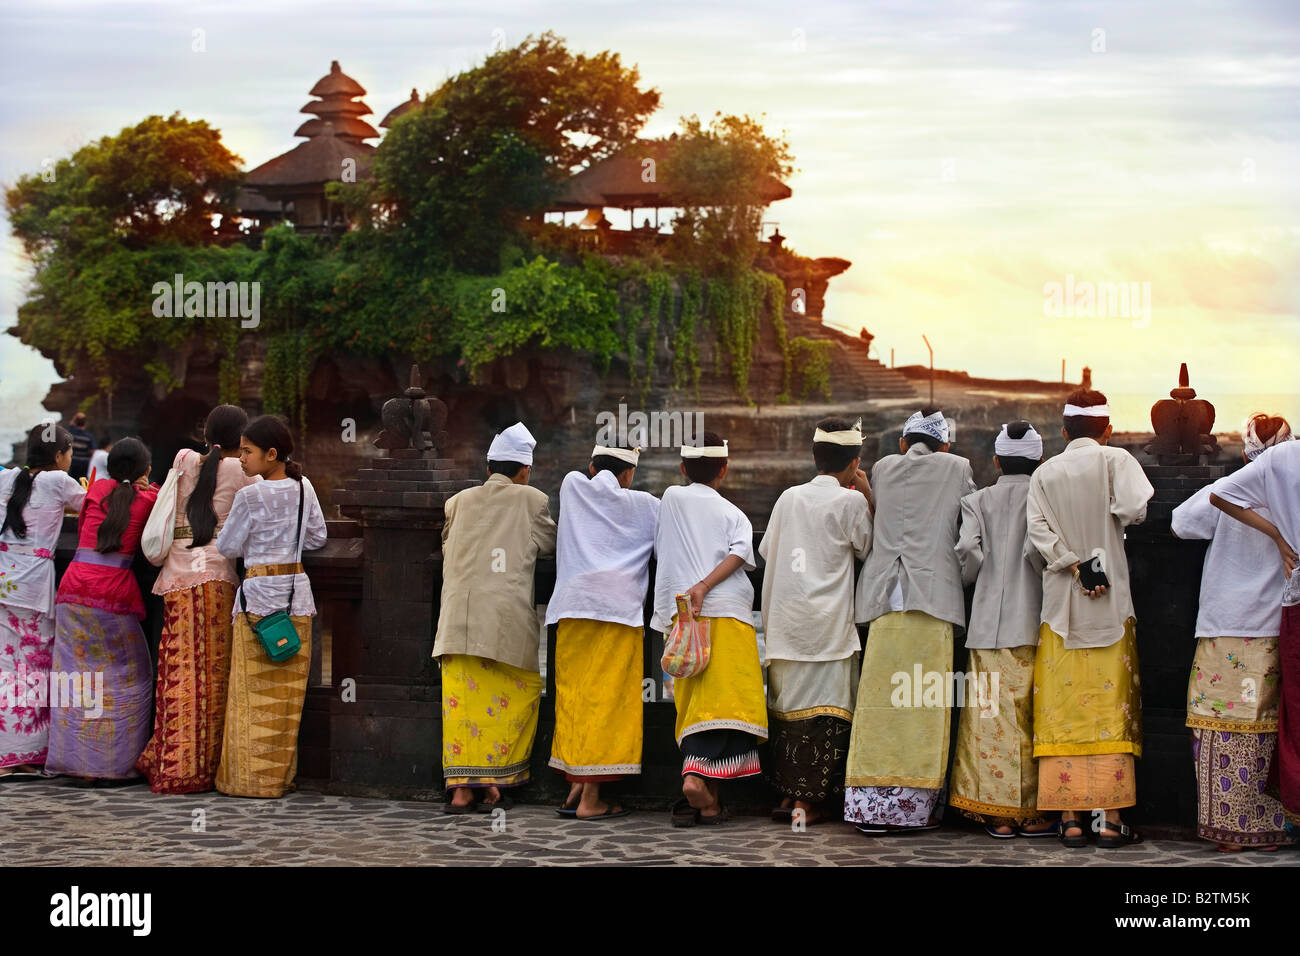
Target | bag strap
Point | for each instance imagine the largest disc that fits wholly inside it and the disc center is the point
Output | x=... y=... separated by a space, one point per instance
x=293 y=579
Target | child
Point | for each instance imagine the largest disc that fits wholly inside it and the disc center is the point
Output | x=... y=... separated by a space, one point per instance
x=32 y=500
x=97 y=632
x=815 y=531
x=488 y=630
x=704 y=546
x=994 y=777
x=197 y=584
x=910 y=592
x=606 y=536
x=259 y=750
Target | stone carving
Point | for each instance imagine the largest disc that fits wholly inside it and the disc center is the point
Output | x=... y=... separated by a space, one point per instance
x=407 y=419
x=1183 y=425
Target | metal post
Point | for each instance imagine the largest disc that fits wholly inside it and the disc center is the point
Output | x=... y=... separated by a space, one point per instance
x=891 y=356
x=931 y=348
x=1062 y=371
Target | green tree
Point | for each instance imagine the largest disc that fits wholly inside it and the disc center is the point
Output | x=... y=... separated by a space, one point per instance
x=490 y=146
x=718 y=174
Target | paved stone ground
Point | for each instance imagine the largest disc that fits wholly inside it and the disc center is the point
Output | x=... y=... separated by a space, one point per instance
x=50 y=823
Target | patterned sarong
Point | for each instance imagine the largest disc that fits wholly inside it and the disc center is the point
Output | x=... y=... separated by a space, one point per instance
x=811 y=713
x=1284 y=777
x=100 y=731
x=190 y=696
x=994 y=776
x=1087 y=700
x=26 y=645
x=489 y=720
x=259 y=750
x=898 y=752
x=598 y=700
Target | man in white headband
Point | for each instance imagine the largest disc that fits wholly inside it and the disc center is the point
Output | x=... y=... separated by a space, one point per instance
x=487 y=626
x=704 y=545
x=1265 y=495
x=1002 y=639
x=815 y=532
x=602 y=573
x=1078 y=505
x=1238 y=626
x=910 y=592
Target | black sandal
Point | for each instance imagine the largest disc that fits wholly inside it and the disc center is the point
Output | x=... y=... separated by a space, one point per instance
x=1073 y=842
x=1127 y=836
x=684 y=815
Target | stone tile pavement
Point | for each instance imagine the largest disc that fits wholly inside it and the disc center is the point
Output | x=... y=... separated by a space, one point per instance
x=51 y=823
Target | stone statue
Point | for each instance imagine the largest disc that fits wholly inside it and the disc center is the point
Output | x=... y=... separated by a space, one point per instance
x=1183 y=424
x=406 y=419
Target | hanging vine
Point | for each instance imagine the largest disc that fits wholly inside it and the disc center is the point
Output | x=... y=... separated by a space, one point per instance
x=812 y=357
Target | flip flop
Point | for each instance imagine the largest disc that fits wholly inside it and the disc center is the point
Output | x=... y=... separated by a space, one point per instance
x=870 y=829
x=722 y=816
x=1053 y=830
x=609 y=814
x=452 y=810
x=505 y=802
x=684 y=815
x=567 y=811
x=993 y=832
x=1073 y=842
x=782 y=814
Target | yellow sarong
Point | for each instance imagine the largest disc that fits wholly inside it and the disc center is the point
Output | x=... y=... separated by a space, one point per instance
x=598 y=700
x=900 y=733
x=728 y=695
x=994 y=775
x=259 y=750
x=1087 y=700
x=489 y=720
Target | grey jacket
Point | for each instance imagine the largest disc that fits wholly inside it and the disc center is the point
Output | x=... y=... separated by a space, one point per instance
x=918 y=507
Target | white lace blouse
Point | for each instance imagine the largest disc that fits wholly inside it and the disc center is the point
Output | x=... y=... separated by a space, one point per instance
x=260 y=529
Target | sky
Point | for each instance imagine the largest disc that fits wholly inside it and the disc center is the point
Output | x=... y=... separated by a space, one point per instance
x=963 y=155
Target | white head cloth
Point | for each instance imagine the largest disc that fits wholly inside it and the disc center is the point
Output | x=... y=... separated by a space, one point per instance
x=1090 y=411
x=1256 y=445
x=936 y=426
x=849 y=437
x=705 y=451
x=629 y=455
x=516 y=443
x=1029 y=445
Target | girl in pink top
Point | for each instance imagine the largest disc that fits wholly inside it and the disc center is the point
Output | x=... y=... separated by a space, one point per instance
x=101 y=702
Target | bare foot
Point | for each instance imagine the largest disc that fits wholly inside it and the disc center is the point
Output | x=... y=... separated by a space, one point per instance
x=462 y=797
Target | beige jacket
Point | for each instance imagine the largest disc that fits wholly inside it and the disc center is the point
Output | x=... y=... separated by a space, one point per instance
x=1079 y=502
x=490 y=544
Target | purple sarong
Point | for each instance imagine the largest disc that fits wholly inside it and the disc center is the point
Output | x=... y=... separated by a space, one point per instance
x=101 y=693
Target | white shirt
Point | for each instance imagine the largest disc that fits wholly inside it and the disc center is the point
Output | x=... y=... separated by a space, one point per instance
x=602 y=553
x=1271 y=481
x=814 y=533
x=1079 y=502
x=260 y=529
x=26 y=580
x=1008 y=581
x=98 y=464
x=697 y=530
x=1240 y=577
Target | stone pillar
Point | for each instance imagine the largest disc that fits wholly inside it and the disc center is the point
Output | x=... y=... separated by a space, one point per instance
x=388 y=741
x=1165 y=574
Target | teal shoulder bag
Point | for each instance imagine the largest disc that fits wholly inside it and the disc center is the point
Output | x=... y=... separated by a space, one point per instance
x=275 y=631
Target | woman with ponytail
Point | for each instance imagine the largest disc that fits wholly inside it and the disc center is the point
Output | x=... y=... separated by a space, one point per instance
x=32 y=502
x=197 y=584
x=259 y=755
x=97 y=632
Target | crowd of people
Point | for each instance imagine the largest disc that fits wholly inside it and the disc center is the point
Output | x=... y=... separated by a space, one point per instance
x=1050 y=719
x=80 y=695
x=1050 y=705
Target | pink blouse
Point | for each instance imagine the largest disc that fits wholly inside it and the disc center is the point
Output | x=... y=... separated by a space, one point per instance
x=186 y=567
x=95 y=585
